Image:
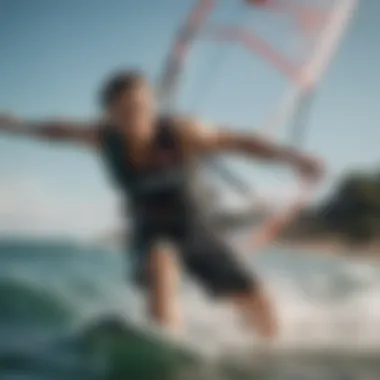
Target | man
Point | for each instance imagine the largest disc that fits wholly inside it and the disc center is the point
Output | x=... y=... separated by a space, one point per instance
x=149 y=158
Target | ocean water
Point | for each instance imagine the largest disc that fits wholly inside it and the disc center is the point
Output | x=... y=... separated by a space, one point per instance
x=52 y=293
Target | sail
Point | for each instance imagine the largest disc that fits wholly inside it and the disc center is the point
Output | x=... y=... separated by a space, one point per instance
x=255 y=65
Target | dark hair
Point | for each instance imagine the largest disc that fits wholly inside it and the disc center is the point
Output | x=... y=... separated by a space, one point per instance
x=119 y=83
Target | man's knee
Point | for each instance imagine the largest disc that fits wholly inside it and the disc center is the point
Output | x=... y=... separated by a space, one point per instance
x=157 y=264
x=162 y=265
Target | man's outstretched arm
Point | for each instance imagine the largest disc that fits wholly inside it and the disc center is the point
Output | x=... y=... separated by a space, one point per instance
x=201 y=139
x=57 y=131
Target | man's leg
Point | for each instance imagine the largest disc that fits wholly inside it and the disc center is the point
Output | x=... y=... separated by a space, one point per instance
x=258 y=311
x=163 y=293
x=216 y=266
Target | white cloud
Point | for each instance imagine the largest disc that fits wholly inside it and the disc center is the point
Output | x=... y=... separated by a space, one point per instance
x=28 y=206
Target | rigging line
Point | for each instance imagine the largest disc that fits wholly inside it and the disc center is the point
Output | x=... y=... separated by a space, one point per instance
x=298 y=129
x=176 y=59
x=229 y=176
x=225 y=173
x=206 y=88
x=329 y=38
x=219 y=61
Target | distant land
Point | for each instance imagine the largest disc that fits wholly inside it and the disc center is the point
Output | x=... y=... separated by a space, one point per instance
x=348 y=221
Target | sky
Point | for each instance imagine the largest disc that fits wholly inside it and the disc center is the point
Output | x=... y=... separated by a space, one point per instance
x=54 y=56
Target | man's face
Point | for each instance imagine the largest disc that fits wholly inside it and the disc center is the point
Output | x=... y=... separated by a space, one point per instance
x=134 y=111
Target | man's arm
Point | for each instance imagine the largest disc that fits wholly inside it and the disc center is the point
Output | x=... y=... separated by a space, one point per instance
x=202 y=139
x=57 y=131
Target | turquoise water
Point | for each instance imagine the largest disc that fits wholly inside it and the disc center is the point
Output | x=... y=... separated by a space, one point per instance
x=53 y=293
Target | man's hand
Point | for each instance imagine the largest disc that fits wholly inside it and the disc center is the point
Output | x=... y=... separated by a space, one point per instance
x=206 y=140
x=59 y=131
x=310 y=168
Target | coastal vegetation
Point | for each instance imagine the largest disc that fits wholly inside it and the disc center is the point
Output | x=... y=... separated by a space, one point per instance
x=351 y=213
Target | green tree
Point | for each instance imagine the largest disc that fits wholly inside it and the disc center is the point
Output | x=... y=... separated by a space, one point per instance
x=354 y=209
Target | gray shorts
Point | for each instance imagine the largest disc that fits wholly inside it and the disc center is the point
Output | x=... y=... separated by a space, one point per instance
x=206 y=258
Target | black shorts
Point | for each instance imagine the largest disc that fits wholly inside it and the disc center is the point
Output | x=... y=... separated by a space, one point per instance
x=205 y=257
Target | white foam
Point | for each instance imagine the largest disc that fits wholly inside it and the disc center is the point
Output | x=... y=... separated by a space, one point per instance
x=350 y=318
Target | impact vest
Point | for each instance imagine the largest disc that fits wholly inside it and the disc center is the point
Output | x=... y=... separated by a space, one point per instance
x=158 y=191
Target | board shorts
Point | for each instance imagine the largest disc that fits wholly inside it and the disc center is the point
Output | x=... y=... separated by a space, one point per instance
x=205 y=257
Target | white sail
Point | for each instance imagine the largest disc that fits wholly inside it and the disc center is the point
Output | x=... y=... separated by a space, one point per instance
x=292 y=41
x=291 y=112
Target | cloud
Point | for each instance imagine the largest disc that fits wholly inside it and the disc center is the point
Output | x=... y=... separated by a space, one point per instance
x=28 y=206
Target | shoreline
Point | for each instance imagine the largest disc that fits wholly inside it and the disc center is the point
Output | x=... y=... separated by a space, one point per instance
x=335 y=247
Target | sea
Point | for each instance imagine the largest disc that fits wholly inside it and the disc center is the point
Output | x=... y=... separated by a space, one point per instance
x=54 y=293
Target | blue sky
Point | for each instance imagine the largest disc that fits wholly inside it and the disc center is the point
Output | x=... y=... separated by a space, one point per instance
x=55 y=54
